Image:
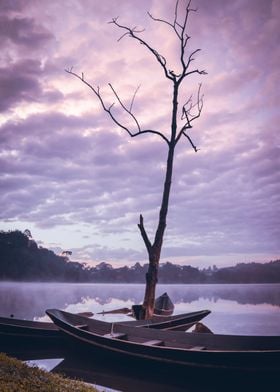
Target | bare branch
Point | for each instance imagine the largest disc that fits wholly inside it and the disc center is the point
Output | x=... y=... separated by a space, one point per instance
x=164 y=21
x=176 y=15
x=131 y=32
x=189 y=117
x=180 y=30
x=203 y=72
x=153 y=132
x=189 y=105
x=144 y=234
x=191 y=142
x=190 y=59
x=125 y=108
x=133 y=98
x=108 y=109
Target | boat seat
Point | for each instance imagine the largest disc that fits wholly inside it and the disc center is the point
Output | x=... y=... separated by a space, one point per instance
x=154 y=343
x=116 y=335
x=197 y=348
x=82 y=326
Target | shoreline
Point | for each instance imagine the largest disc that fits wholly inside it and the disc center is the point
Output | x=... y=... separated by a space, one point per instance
x=15 y=375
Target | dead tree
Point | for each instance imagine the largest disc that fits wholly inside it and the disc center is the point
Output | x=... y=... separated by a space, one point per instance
x=188 y=112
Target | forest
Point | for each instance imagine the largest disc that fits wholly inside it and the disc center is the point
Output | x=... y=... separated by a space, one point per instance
x=21 y=259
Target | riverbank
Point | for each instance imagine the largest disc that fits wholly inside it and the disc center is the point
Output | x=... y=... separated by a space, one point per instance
x=16 y=376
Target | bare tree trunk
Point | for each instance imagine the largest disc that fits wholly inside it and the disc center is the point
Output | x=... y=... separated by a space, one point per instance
x=191 y=110
x=155 y=250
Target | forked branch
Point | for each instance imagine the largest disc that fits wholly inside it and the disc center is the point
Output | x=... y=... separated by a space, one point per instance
x=131 y=32
x=190 y=112
x=109 y=111
x=179 y=27
x=144 y=234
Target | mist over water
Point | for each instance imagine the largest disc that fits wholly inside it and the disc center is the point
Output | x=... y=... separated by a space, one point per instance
x=235 y=309
x=240 y=309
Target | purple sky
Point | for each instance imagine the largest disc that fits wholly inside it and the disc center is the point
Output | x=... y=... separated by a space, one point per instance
x=78 y=182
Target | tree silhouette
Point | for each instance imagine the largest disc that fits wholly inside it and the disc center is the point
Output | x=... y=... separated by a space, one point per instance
x=27 y=232
x=185 y=113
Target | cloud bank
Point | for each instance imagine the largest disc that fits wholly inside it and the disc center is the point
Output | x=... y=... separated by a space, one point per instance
x=78 y=182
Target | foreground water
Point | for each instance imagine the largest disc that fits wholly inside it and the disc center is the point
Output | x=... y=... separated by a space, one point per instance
x=235 y=309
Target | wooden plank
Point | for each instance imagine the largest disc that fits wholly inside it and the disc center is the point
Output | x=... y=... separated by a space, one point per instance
x=115 y=335
x=154 y=343
x=82 y=326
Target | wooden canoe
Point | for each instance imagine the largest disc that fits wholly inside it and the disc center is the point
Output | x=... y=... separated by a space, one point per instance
x=16 y=328
x=201 y=354
x=164 y=305
x=27 y=328
x=179 y=322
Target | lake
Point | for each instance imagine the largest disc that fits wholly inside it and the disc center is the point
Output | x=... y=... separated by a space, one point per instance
x=235 y=309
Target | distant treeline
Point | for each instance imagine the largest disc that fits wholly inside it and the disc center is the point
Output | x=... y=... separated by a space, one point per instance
x=21 y=259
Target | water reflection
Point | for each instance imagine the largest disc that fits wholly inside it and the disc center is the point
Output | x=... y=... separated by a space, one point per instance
x=236 y=309
x=117 y=377
x=29 y=300
x=45 y=364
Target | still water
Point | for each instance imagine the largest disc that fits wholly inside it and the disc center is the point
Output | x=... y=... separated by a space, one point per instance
x=235 y=309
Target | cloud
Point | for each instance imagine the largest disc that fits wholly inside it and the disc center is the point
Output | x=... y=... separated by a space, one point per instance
x=20 y=83
x=66 y=168
x=22 y=32
x=11 y=6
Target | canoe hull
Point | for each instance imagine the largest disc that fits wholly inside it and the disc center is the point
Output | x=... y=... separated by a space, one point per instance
x=252 y=354
x=139 y=375
x=13 y=328
x=180 y=322
x=16 y=330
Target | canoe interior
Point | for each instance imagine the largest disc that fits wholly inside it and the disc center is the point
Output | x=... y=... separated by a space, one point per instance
x=172 y=339
x=27 y=328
